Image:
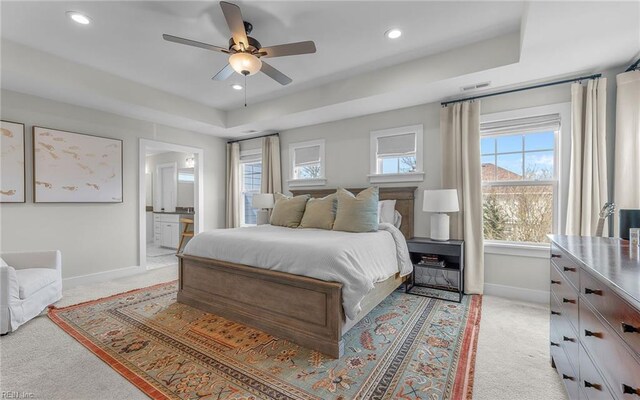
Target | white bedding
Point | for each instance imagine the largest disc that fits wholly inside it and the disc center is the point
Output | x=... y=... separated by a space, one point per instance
x=357 y=260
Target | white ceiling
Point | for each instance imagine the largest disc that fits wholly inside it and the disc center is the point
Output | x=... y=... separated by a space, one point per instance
x=125 y=66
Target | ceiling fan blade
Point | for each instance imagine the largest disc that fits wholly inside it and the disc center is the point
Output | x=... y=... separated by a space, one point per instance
x=233 y=15
x=189 y=42
x=224 y=73
x=290 y=49
x=275 y=74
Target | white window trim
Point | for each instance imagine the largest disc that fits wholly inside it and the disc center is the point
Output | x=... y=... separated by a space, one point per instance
x=417 y=176
x=563 y=139
x=294 y=182
x=246 y=153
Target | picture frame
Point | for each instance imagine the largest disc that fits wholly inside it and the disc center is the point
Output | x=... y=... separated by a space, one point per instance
x=70 y=167
x=13 y=174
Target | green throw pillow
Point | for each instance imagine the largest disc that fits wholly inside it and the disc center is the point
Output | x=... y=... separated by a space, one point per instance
x=320 y=213
x=357 y=213
x=288 y=211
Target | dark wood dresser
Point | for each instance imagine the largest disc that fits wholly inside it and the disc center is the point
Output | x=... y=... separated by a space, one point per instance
x=595 y=317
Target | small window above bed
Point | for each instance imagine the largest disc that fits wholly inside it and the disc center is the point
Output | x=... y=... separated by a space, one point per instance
x=307 y=163
x=396 y=155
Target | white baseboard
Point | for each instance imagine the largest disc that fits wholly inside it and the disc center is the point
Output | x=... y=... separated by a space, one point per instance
x=68 y=283
x=516 y=293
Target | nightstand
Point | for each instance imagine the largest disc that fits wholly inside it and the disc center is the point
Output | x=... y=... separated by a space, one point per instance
x=442 y=270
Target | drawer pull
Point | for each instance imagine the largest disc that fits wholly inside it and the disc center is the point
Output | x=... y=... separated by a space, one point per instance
x=555 y=282
x=594 y=334
x=592 y=385
x=626 y=328
x=565 y=300
x=626 y=389
x=570 y=269
x=593 y=291
x=555 y=312
x=565 y=376
x=568 y=339
x=555 y=344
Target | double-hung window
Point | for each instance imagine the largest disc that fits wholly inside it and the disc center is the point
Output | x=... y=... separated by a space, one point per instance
x=519 y=160
x=396 y=155
x=307 y=161
x=250 y=179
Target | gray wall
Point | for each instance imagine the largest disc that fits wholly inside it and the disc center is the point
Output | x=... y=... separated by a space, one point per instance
x=96 y=238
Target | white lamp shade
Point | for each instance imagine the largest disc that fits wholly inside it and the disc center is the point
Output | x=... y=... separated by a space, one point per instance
x=262 y=200
x=442 y=200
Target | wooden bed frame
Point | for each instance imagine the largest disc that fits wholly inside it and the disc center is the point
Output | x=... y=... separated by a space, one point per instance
x=304 y=310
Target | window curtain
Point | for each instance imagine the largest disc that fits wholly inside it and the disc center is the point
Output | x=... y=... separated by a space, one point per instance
x=588 y=168
x=627 y=150
x=460 y=132
x=271 y=181
x=233 y=185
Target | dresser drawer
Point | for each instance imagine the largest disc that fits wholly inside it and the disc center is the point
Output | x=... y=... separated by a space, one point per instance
x=623 y=318
x=565 y=264
x=619 y=367
x=591 y=382
x=567 y=374
x=566 y=295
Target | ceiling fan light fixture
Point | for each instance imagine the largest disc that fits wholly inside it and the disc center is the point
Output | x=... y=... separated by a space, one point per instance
x=393 y=33
x=79 y=17
x=245 y=63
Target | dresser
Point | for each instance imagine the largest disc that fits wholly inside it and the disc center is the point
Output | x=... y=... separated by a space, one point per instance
x=595 y=317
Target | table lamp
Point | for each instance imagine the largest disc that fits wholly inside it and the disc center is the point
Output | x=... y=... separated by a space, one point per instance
x=440 y=201
x=263 y=202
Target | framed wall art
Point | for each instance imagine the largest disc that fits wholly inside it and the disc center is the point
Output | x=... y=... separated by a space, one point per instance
x=12 y=163
x=73 y=167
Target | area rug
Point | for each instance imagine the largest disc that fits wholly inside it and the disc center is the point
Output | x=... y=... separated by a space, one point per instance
x=409 y=347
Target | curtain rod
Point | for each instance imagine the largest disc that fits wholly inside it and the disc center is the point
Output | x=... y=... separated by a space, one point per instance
x=255 y=137
x=634 y=66
x=582 y=78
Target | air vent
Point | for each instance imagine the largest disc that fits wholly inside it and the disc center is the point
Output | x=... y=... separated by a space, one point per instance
x=475 y=86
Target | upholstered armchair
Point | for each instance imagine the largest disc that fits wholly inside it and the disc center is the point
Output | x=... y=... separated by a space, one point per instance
x=29 y=282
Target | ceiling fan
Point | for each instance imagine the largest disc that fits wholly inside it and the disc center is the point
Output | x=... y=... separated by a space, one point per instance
x=245 y=53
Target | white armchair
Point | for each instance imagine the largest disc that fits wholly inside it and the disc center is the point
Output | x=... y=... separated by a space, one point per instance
x=29 y=282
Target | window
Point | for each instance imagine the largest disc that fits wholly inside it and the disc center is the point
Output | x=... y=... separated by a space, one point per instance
x=307 y=163
x=186 y=175
x=396 y=155
x=251 y=177
x=519 y=178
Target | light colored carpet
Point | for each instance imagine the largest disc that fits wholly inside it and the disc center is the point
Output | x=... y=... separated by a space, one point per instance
x=39 y=358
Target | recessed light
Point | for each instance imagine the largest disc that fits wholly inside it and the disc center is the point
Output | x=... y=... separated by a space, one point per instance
x=393 y=33
x=237 y=86
x=79 y=17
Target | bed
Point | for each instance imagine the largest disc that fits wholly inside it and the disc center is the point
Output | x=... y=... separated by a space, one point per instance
x=298 y=308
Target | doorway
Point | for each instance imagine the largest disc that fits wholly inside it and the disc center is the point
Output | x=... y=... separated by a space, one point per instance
x=171 y=200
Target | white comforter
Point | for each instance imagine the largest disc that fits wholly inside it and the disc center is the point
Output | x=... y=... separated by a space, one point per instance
x=357 y=260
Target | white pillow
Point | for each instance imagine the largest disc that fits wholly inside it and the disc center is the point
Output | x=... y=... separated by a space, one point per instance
x=386 y=210
x=2 y=263
x=397 y=220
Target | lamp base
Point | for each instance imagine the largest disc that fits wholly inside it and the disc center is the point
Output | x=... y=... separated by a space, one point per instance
x=262 y=217
x=440 y=227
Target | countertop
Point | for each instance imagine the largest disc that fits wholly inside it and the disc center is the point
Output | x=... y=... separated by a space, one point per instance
x=175 y=212
x=613 y=260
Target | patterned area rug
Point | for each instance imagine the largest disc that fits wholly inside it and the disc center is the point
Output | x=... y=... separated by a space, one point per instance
x=409 y=347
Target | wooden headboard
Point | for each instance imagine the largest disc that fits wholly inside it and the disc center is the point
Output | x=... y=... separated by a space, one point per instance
x=404 y=197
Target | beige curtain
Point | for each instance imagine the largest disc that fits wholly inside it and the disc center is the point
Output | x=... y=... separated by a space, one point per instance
x=233 y=185
x=271 y=175
x=460 y=132
x=588 y=168
x=627 y=150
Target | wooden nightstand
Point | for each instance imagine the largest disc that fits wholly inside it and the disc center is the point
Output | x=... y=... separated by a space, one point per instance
x=451 y=253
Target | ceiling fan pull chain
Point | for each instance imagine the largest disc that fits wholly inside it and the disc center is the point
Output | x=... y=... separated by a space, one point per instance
x=245 y=90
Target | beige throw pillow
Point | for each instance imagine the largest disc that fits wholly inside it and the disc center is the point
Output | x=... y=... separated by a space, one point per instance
x=288 y=211
x=357 y=213
x=320 y=213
